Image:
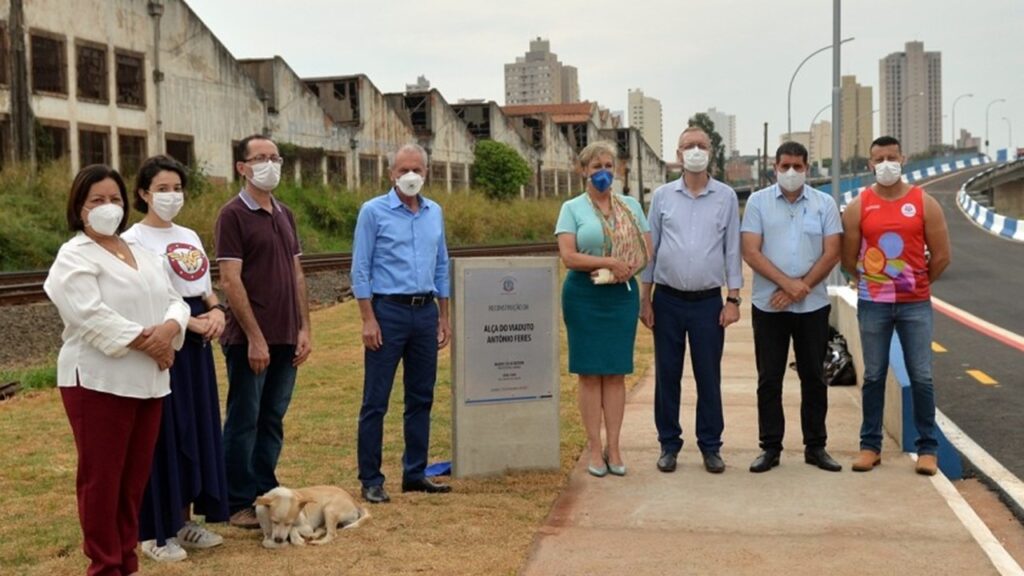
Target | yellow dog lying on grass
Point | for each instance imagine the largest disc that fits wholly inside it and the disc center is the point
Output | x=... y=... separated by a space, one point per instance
x=310 y=514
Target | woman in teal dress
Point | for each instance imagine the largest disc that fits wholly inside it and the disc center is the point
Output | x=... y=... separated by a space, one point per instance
x=604 y=241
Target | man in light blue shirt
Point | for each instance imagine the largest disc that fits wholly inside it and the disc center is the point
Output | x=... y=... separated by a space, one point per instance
x=399 y=268
x=695 y=231
x=791 y=238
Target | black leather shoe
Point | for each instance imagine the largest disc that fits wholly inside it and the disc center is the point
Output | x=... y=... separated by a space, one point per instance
x=425 y=485
x=766 y=461
x=667 y=462
x=713 y=463
x=820 y=458
x=375 y=494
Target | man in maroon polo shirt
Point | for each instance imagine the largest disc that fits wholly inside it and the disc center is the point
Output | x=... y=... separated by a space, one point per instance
x=267 y=335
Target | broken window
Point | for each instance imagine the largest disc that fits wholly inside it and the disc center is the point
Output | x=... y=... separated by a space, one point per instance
x=438 y=174
x=564 y=186
x=310 y=166
x=3 y=53
x=368 y=174
x=419 y=112
x=180 y=148
x=477 y=119
x=536 y=128
x=459 y=176
x=131 y=79
x=337 y=171
x=49 y=69
x=93 y=146
x=344 y=104
x=547 y=182
x=131 y=151
x=91 y=71
x=51 y=143
x=622 y=140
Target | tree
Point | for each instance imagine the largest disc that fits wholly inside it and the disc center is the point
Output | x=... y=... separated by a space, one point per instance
x=499 y=169
x=703 y=121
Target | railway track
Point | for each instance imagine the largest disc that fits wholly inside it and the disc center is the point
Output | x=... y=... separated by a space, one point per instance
x=27 y=287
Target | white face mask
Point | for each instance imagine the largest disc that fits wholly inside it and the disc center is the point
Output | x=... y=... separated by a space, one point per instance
x=888 y=173
x=409 y=183
x=266 y=175
x=695 y=159
x=166 y=204
x=791 y=180
x=105 y=219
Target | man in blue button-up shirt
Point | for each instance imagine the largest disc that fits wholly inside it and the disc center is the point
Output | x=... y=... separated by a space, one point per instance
x=399 y=267
x=695 y=230
x=791 y=238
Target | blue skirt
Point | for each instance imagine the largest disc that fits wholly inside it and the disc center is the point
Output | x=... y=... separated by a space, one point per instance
x=188 y=463
x=601 y=323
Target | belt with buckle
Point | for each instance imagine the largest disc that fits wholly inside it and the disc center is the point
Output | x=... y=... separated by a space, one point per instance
x=690 y=296
x=414 y=300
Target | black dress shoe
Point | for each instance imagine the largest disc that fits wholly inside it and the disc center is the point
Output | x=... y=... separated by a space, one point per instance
x=667 y=462
x=713 y=463
x=820 y=458
x=766 y=461
x=375 y=494
x=425 y=485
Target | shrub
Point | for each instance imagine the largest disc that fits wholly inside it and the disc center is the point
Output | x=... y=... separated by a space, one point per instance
x=499 y=169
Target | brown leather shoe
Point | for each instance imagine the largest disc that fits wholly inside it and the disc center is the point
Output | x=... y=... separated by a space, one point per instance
x=866 y=461
x=927 y=464
x=245 y=518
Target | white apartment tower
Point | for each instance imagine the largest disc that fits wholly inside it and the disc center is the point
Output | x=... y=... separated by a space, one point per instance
x=725 y=125
x=539 y=78
x=645 y=116
x=911 y=97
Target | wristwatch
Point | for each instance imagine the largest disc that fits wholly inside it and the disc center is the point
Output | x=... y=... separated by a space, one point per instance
x=219 y=306
x=737 y=300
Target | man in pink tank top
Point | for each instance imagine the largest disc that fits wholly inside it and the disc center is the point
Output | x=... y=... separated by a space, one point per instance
x=889 y=230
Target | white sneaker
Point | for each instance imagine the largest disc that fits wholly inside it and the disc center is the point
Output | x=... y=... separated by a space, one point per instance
x=192 y=535
x=169 y=552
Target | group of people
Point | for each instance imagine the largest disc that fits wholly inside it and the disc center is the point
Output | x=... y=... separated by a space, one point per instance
x=136 y=372
x=892 y=240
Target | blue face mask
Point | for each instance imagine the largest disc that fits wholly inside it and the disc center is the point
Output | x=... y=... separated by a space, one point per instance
x=602 y=180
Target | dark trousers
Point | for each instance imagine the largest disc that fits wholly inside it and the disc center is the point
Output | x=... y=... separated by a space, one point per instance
x=676 y=319
x=410 y=336
x=254 y=422
x=115 y=437
x=809 y=334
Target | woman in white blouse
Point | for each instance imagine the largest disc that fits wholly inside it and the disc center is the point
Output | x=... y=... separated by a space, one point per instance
x=122 y=323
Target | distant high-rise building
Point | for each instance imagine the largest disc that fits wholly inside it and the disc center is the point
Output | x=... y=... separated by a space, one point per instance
x=858 y=119
x=645 y=116
x=911 y=97
x=539 y=78
x=820 y=145
x=421 y=85
x=725 y=125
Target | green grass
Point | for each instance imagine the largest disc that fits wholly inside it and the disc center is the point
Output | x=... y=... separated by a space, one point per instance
x=484 y=527
x=33 y=224
x=32 y=378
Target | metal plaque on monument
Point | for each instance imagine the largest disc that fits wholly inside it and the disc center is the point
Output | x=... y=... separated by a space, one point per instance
x=505 y=365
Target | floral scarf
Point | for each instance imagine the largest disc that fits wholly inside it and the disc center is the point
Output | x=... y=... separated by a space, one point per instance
x=622 y=237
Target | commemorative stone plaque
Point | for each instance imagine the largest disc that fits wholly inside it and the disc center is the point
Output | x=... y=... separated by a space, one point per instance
x=505 y=364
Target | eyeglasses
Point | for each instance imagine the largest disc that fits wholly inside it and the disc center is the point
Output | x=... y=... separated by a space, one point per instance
x=264 y=158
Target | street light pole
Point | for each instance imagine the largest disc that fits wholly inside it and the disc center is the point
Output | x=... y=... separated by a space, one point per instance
x=810 y=133
x=903 y=117
x=856 y=141
x=952 y=128
x=986 y=120
x=789 y=93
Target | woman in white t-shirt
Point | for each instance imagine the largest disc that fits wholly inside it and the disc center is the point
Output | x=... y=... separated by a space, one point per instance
x=122 y=322
x=188 y=464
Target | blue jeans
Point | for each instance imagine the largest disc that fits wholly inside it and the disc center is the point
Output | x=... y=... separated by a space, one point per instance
x=410 y=337
x=674 y=320
x=912 y=321
x=254 y=423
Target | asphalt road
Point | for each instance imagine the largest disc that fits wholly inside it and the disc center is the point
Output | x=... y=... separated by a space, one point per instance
x=986 y=279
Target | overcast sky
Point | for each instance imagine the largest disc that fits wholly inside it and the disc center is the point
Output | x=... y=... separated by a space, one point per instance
x=734 y=55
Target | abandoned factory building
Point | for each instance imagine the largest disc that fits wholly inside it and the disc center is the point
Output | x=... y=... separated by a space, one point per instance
x=114 y=81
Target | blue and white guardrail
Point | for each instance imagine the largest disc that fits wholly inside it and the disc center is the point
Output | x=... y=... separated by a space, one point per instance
x=987 y=218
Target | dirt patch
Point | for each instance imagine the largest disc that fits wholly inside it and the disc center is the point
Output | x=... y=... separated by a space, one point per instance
x=999 y=519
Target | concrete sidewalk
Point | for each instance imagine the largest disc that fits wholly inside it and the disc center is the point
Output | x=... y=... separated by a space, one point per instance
x=793 y=520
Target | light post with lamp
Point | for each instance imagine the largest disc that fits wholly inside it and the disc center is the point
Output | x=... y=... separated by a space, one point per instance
x=903 y=116
x=789 y=93
x=986 y=120
x=952 y=127
x=810 y=136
